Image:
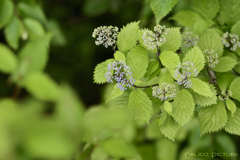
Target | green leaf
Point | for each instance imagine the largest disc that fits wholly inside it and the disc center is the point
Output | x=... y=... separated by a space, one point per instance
x=119 y=148
x=229 y=11
x=119 y=56
x=195 y=55
x=169 y=128
x=233 y=124
x=166 y=150
x=120 y=103
x=115 y=93
x=41 y=86
x=31 y=11
x=137 y=59
x=168 y=107
x=236 y=28
x=201 y=87
x=161 y=8
x=8 y=60
x=224 y=81
x=211 y=40
x=207 y=9
x=235 y=89
x=203 y=100
x=231 y=106
x=6 y=12
x=225 y=64
x=153 y=65
x=100 y=70
x=165 y=76
x=174 y=40
x=200 y=27
x=169 y=59
x=141 y=106
x=161 y=118
x=69 y=110
x=33 y=56
x=34 y=28
x=183 y=107
x=13 y=32
x=128 y=36
x=212 y=118
x=47 y=139
x=186 y=18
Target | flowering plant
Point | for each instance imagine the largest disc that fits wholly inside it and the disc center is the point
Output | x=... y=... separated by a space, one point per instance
x=180 y=73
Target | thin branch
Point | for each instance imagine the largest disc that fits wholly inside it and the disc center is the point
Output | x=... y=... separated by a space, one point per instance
x=236 y=72
x=113 y=49
x=145 y=86
x=16 y=92
x=217 y=21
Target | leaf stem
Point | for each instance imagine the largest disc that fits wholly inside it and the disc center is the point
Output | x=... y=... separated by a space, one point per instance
x=16 y=92
x=145 y=86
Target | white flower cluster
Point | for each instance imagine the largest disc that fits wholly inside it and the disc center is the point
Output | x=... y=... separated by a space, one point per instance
x=120 y=73
x=189 y=39
x=184 y=73
x=164 y=91
x=225 y=95
x=105 y=35
x=211 y=57
x=157 y=38
x=230 y=40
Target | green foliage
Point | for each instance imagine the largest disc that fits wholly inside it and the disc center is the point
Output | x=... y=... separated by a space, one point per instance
x=140 y=105
x=34 y=28
x=6 y=12
x=13 y=32
x=153 y=65
x=201 y=87
x=229 y=11
x=119 y=56
x=33 y=56
x=161 y=8
x=100 y=70
x=200 y=27
x=119 y=148
x=115 y=93
x=203 y=100
x=168 y=107
x=44 y=120
x=31 y=10
x=121 y=102
x=224 y=81
x=211 y=40
x=225 y=64
x=41 y=86
x=169 y=128
x=195 y=55
x=169 y=59
x=233 y=124
x=128 y=36
x=183 y=107
x=235 y=89
x=186 y=18
x=174 y=40
x=137 y=59
x=207 y=9
x=213 y=118
x=231 y=106
x=8 y=60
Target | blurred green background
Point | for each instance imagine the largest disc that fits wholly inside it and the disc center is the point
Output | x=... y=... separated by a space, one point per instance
x=49 y=133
